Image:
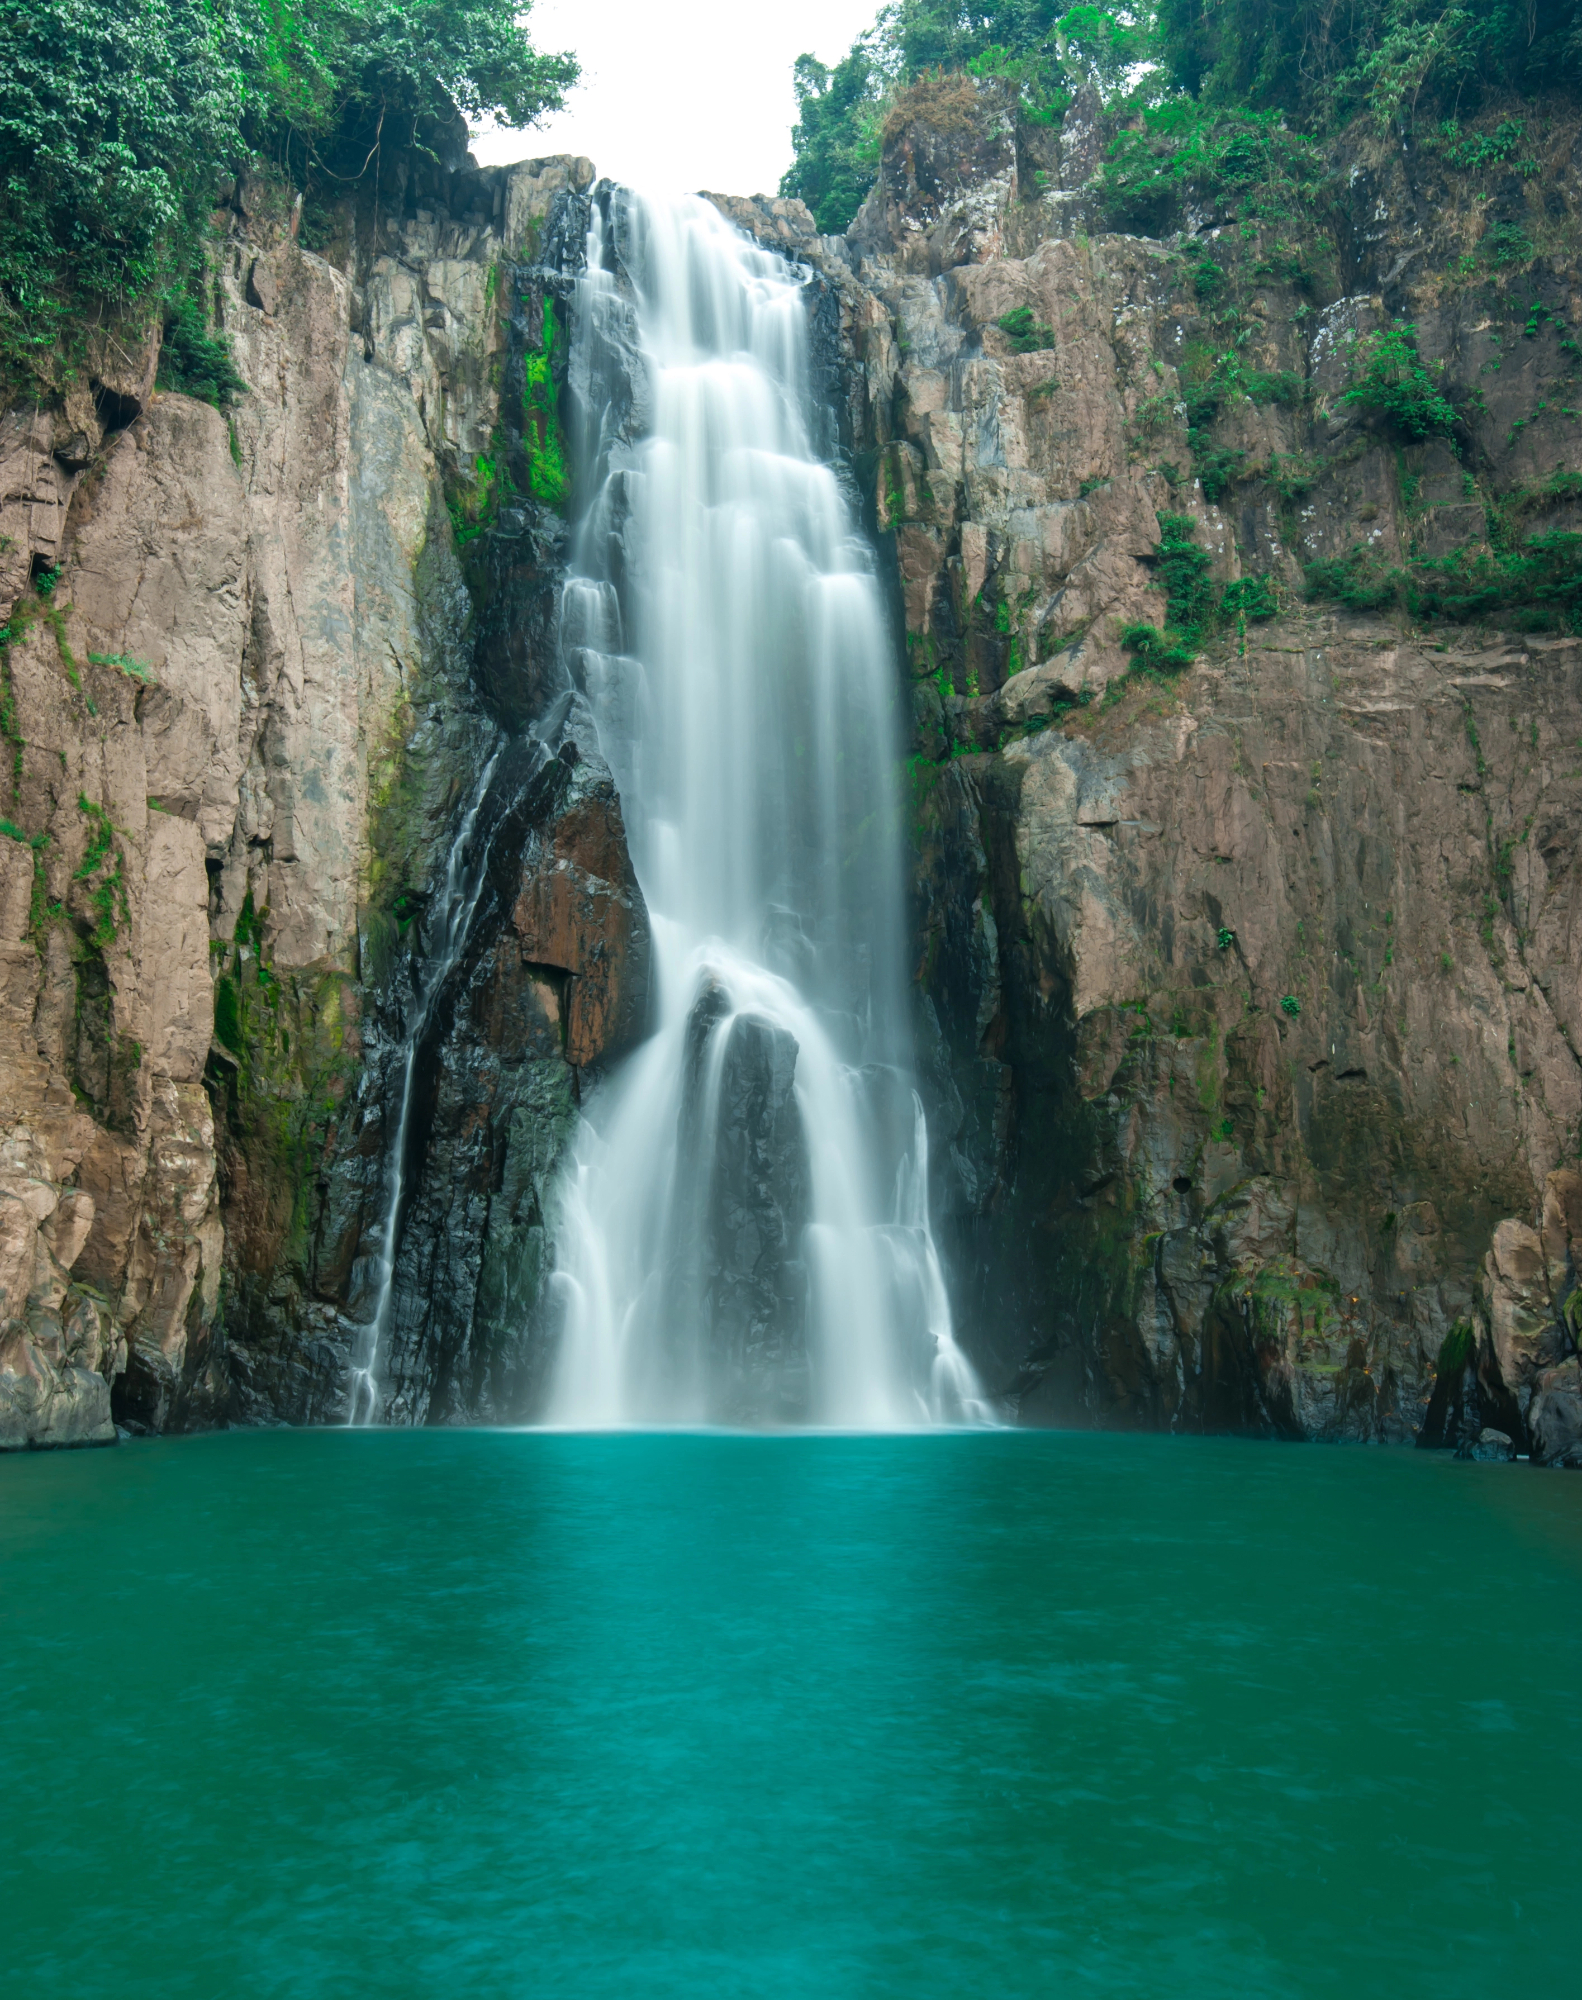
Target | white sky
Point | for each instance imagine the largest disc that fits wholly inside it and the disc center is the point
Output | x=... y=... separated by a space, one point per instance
x=684 y=95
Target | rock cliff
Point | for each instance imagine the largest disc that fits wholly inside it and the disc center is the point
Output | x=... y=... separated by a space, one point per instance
x=1251 y=990
x=1248 y=990
x=254 y=664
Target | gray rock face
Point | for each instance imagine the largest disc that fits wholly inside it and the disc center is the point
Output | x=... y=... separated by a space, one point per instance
x=1555 y=1416
x=1490 y=1447
x=756 y=1282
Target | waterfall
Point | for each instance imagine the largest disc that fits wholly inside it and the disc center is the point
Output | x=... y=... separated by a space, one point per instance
x=744 y=1232
x=447 y=936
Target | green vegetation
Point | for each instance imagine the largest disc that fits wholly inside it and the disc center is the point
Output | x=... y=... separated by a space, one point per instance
x=107 y=898
x=544 y=464
x=839 y=119
x=1320 y=65
x=1391 y=381
x=1183 y=569
x=1195 y=605
x=195 y=362
x=1025 y=334
x=135 y=670
x=1155 y=651
x=1038 y=51
x=1532 y=582
x=548 y=472
x=117 y=126
x=1245 y=162
x=1226 y=104
x=1289 y=1004
x=1456 y=1349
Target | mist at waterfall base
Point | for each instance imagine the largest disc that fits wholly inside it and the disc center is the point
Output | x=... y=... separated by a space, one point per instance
x=466 y=1714
x=743 y=1234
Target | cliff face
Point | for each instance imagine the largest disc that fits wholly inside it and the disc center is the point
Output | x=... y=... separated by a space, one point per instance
x=1248 y=993
x=1253 y=991
x=255 y=662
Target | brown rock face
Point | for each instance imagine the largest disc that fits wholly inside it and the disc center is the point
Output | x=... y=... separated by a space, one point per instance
x=1252 y=992
x=580 y=913
x=240 y=722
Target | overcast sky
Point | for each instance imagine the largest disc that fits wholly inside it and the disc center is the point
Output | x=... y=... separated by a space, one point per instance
x=689 y=94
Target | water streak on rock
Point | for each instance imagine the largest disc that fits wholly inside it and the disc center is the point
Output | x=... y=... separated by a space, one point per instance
x=465 y=874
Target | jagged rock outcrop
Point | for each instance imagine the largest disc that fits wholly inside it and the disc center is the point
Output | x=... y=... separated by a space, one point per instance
x=552 y=985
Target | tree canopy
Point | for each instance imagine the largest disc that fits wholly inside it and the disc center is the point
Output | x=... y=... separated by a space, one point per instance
x=1309 y=63
x=117 y=124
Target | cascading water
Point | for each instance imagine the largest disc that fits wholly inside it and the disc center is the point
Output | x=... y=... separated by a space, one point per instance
x=744 y=1231
x=452 y=919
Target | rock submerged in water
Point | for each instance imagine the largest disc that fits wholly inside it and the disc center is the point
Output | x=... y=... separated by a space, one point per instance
x=755 y=1287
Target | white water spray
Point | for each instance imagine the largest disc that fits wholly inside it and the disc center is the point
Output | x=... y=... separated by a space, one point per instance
x=744 y=1230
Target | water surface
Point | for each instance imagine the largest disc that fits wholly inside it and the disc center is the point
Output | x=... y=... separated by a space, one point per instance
x=490 y=1714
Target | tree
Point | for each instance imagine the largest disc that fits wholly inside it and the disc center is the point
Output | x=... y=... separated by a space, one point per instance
x=117 y=124
x=836 y=142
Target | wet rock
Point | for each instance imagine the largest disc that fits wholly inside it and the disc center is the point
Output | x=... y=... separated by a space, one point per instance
x=552 y=982
x=755 y=1280
x=579 y=911
x=1555 y=1416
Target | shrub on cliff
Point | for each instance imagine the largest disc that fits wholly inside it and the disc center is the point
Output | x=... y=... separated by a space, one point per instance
x=1195 y=606
x=1530 y=584
x=1391 y=380
x=1245 y=164
x=117 y=124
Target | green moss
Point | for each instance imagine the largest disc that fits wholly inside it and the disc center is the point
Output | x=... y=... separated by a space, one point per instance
x=54 y=618
x=228 y=1014
x=104 y=859
x=894 y=488
x=548 y=470
x=1457 y=1348
x=135 y=670
x=475 y=503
